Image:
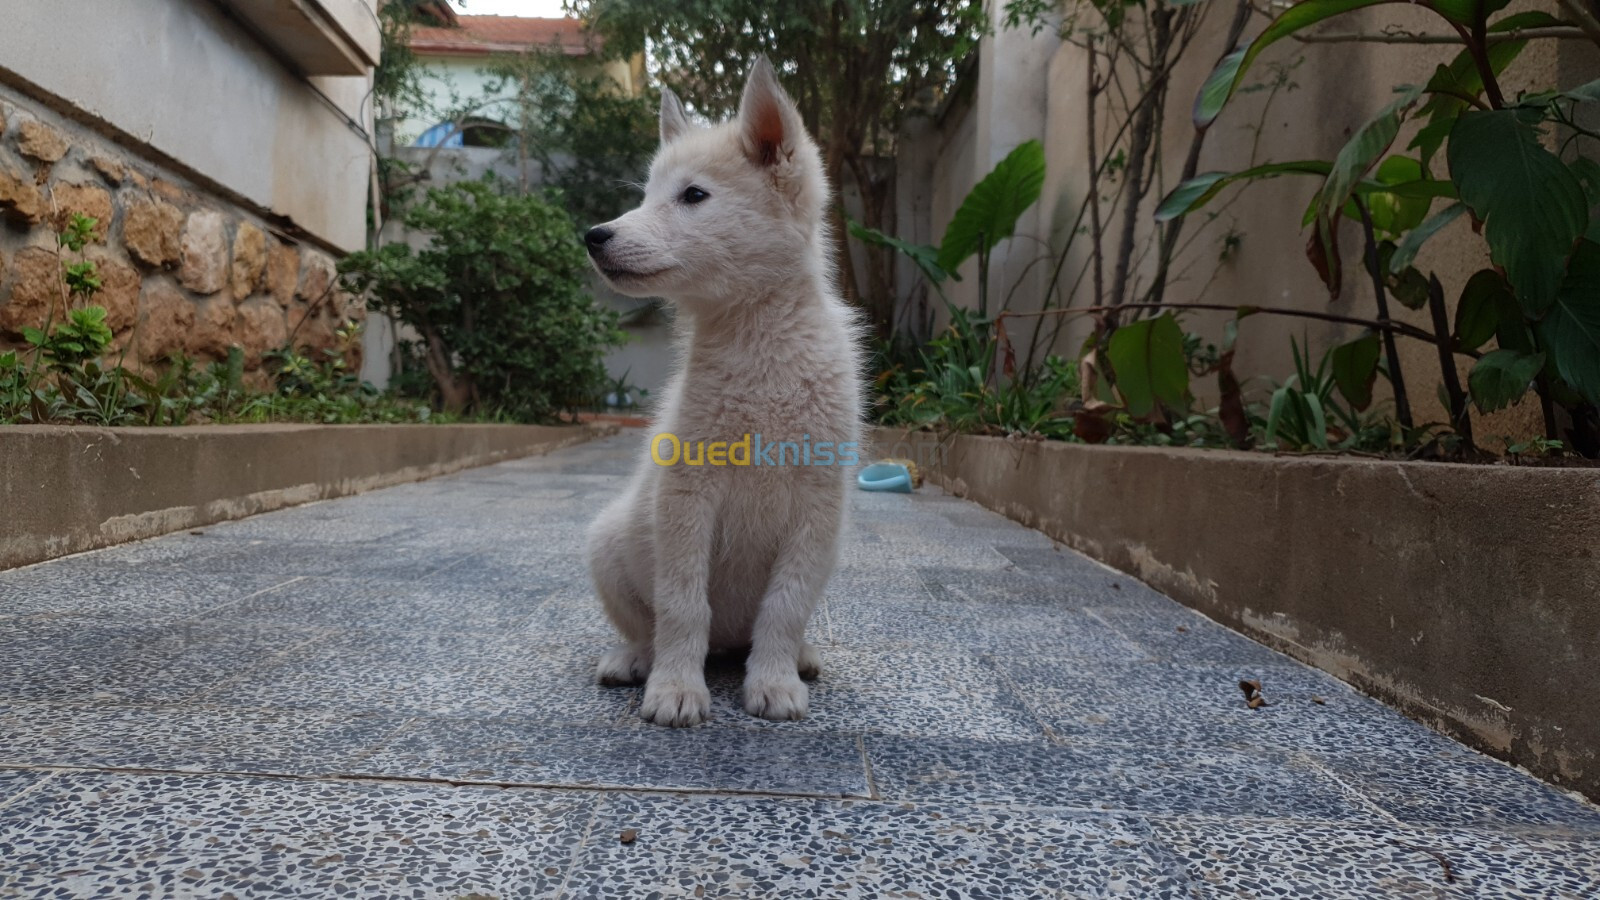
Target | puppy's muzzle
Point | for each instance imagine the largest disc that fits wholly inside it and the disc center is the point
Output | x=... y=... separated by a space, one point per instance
x=595 y=239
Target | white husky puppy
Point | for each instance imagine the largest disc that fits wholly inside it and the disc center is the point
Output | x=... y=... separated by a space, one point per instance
x=697 y=558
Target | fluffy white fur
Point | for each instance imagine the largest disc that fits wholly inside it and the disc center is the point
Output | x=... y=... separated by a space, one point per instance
x=693 y=559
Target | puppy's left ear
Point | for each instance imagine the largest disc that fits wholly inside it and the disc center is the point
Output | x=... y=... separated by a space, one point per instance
x=768 y=121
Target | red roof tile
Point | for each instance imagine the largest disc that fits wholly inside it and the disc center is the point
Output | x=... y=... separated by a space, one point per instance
x=482 y=35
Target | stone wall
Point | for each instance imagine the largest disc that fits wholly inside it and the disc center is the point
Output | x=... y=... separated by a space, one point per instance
x=183 y=271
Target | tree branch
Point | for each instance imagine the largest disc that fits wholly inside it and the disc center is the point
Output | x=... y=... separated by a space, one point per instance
x=1389 y=325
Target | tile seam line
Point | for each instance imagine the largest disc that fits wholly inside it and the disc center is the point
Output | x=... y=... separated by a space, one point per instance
x=1349 y=789
x=1152 y=816
x=421 y=781
x=19 y=795
x=582 y=847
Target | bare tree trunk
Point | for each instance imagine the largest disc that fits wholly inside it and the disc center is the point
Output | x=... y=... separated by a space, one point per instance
x=1148 y=120
x=1191 y=164
x=455 y=393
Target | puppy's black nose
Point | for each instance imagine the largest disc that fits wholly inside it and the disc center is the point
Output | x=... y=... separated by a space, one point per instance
x=597 y=237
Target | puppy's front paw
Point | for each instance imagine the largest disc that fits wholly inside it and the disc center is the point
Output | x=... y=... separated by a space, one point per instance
x=624 y=665
x=674 y=703
x=779 y=699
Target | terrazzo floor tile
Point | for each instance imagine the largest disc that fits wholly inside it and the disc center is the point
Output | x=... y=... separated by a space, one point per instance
x=502 y=572
x=323 y=522
x=86 y=587
x=15 y=783
x=378 y=560
x=190 y=738
x=83 y=659
x=1446 y=784
x=1176 y=634
x=1176 y=705
x=702 y=759
x=910 y=700
x=328 y=700
x=723 y=847
x=1278 y=859
x=1155 y=780
x=174 y=835
x=442 y=673
x=352 y=603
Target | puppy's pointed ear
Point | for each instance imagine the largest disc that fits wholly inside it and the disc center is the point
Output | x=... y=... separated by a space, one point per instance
x=674 y=121
x=768 y=121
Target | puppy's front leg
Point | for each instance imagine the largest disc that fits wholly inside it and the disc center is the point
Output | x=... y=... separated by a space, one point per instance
x=772 y=685
x=675 y=693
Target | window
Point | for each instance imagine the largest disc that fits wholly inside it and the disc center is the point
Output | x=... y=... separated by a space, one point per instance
x=473 y=132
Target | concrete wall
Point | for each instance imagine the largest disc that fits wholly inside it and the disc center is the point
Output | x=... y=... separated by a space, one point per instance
x=188 y=86
x=1464 y=595
x=70 y=489
x=1035 y=86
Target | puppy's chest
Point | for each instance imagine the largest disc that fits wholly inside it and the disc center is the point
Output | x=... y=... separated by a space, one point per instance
x=785 y=402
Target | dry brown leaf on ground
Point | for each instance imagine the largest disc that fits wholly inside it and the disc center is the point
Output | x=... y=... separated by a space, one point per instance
x=1252 y=693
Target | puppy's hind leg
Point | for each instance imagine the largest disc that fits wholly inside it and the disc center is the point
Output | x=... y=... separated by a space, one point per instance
x=627 y=663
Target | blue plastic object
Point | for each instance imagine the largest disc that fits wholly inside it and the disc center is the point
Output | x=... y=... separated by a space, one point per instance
x=885 y=477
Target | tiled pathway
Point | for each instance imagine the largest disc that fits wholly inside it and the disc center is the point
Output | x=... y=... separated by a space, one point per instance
x=391 y=695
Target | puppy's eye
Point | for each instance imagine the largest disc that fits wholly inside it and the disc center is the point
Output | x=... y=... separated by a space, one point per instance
x=692 y=195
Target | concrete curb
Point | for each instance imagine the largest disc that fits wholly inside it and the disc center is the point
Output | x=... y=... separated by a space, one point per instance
x=69 y=489
x=1467 y=596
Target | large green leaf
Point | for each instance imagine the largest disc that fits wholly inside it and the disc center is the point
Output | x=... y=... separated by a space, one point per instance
x=1411 y=244
x=1356 y=157
x=1199 y=190
x=1216 y=90
x=1485 y=301
x=1355 y=368
x=1229 y=74
x=1461 y=78
x=1361 y=152
x=1395 y=213
x=1570 y=333
x=1231 y=71
x=990 y=211
x=1466 y=12
x=1588 y=173
x=1531 y=204
x=926 y=256
x=1147 y=357
x=1584 y=93
x=1501 y=378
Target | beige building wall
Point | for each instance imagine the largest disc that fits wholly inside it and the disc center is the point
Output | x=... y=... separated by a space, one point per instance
x=191 y=85
x=1339 y=87
x=223 y=149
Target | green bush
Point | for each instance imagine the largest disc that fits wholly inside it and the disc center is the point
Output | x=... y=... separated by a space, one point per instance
x=499 y=298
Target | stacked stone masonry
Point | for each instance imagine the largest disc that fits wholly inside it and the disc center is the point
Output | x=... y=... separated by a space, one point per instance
x=183 y=271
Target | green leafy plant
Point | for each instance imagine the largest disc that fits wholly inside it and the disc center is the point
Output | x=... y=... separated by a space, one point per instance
x=590 y=138
x=499 y=297
x=949 y=387
x=1539 y=213
x=987 y=216
x=22 y=397
x=856 y=69
x=1306 y=412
